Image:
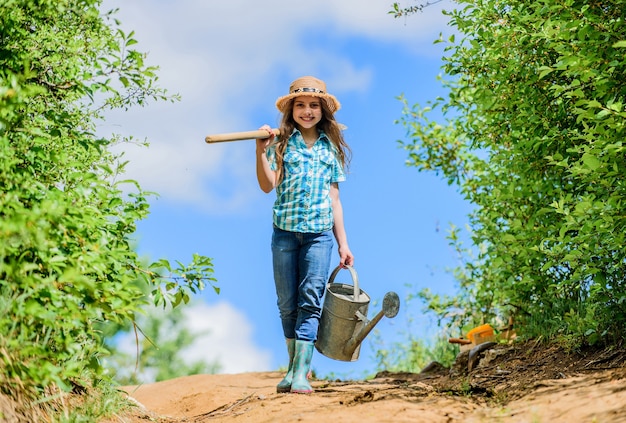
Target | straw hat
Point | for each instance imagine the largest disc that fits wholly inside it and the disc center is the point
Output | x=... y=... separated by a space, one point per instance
x=308 y=85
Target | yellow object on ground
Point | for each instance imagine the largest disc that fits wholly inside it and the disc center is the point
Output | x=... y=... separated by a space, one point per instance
x=481 y=334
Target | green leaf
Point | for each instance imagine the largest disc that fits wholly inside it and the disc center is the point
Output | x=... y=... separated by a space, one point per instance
x=591 y=161
x=544 y=71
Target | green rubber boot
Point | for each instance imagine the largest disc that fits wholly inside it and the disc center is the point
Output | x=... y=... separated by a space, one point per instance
x=285 y=384
x=301 y=367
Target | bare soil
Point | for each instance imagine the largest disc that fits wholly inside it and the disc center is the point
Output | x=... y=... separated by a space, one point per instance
x=525 y=382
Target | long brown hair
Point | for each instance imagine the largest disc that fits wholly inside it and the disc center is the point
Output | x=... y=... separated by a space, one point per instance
x=327 y=124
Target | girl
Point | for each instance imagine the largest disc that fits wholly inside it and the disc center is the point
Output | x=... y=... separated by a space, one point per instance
x=304 y=163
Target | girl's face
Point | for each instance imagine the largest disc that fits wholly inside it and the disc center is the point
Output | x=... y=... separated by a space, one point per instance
x=307 y=111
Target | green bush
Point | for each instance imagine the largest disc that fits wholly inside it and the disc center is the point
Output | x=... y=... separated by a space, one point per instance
x=533 y=135
x=66 y=224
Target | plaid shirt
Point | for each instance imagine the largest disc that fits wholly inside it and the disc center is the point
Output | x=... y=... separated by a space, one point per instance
x=303 y=201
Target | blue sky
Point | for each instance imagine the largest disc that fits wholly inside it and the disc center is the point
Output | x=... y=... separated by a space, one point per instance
x=230 y=60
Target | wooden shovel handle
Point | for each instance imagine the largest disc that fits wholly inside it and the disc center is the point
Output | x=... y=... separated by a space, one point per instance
x=459 y=341
x=238 y=136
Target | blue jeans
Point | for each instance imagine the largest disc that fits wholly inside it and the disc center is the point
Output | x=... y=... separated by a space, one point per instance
x=301 y=264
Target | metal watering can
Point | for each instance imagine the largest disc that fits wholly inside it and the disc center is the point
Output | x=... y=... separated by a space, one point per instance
x=344 y=324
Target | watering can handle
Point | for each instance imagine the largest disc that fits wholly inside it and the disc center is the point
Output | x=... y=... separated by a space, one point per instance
x=355 y=278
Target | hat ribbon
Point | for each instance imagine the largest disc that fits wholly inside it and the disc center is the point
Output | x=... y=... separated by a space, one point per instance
x=307 y=90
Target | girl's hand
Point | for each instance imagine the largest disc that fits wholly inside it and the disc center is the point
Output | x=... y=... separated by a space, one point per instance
x=262 y=143
x=345 y=257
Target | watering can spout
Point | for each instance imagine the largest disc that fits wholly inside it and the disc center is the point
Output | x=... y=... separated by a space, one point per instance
x=391 y=306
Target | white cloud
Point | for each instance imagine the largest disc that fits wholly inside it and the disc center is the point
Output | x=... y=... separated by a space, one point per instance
x=228 y=340
x=226 y=59
x=223 y=335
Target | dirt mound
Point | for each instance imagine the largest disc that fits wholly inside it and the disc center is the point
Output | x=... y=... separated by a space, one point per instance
x=521 y=383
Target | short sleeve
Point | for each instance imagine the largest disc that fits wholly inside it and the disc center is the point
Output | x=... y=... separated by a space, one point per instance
x=270 y=153
x=339 y=174
x=337 y=171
